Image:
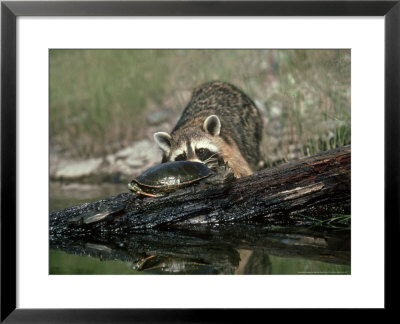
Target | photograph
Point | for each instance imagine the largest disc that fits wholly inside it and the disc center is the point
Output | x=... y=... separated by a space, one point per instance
x=199 y=161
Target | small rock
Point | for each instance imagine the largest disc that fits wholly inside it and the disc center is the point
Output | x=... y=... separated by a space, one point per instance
x=110 y=159
x=132 y=160
x=124 y=152
x=77 y=169
x=119 y=167
x=135 y=158
x=135 y=162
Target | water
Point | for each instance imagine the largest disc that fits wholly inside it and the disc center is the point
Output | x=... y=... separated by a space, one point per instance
x=63 y=195
x=227 y=249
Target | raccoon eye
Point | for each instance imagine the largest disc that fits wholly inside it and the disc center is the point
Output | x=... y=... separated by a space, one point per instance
x=181 y=157
x=203 y=153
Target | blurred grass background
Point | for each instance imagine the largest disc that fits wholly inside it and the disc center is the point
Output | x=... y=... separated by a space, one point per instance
x=100 y=100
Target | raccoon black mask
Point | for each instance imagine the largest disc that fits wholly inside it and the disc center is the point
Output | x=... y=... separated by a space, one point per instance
x=190 y=143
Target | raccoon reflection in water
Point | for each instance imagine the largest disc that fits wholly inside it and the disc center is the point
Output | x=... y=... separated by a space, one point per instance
x=220 y=121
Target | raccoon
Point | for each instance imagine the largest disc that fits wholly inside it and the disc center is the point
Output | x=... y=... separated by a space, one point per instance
x=220 y=122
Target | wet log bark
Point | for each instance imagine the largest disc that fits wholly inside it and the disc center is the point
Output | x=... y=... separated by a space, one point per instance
x=317 y=187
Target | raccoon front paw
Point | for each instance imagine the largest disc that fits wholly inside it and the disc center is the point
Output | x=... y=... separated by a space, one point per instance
x=223 y=174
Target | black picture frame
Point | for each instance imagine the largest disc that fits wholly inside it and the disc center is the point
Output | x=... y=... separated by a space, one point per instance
x=11 y=10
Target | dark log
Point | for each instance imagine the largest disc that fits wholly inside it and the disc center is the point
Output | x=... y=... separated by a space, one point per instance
x=317 y=186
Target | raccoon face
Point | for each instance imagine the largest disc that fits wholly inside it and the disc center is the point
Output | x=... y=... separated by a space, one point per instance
x=192 y=143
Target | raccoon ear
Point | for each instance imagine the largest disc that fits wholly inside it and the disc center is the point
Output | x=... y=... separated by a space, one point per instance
x=163 y=140
x=212 y=125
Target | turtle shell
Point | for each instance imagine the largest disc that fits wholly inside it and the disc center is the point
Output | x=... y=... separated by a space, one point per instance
x=173 y=174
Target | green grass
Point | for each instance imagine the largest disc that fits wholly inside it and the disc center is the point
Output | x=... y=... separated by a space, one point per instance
x=313 y=94
x=99 y=99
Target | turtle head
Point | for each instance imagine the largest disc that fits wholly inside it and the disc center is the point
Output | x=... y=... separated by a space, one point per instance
x=133 y=186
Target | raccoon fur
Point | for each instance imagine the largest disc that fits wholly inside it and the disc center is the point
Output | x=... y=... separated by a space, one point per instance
x=220 y=122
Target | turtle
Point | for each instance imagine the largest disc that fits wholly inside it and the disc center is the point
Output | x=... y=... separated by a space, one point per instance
x=165 y=177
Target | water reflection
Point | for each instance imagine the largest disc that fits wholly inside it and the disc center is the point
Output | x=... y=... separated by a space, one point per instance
x=228 y=249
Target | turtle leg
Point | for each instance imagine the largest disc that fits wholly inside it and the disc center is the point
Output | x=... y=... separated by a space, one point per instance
x=146 y=194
